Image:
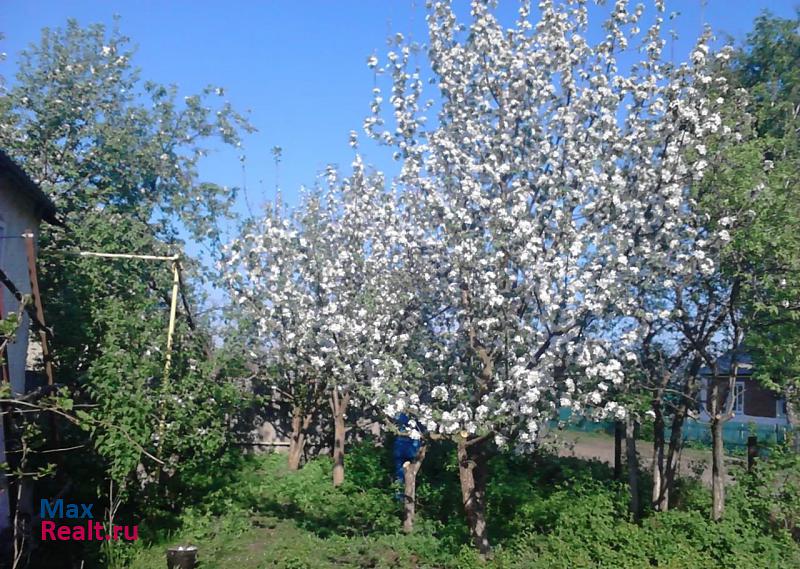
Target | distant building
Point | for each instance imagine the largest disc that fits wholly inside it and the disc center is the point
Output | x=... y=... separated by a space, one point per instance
x=23 y=206
x=752 y=403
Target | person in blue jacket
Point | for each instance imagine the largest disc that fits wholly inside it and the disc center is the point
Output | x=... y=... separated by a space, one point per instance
x=405 y=447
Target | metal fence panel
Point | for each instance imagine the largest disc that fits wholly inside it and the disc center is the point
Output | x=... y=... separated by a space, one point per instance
x=734 y=433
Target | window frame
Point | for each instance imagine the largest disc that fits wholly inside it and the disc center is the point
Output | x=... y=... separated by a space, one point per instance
x=739 y=389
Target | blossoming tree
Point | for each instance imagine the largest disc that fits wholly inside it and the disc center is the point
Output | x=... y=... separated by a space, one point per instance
x=270 y=270
x=322 y=289
x=368 y=318
x=552 y=176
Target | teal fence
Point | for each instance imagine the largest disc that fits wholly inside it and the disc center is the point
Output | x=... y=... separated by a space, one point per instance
x=734 y=433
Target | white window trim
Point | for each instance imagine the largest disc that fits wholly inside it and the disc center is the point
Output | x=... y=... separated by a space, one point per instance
x=739 y=390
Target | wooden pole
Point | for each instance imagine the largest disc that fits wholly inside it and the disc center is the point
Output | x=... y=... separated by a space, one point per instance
x=30 y=250
x=25 y=306
x=37 y=299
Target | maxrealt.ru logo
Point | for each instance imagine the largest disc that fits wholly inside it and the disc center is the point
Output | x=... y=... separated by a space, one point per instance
x=76 y=523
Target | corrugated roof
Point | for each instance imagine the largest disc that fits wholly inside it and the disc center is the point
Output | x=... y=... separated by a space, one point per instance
x=45 y=207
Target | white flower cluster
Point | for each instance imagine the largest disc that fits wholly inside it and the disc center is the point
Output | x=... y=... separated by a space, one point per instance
x=315 y=289
x=553 y=182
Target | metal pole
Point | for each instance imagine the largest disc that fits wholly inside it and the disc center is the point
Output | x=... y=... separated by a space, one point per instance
x=173 y=308
x=113 y=255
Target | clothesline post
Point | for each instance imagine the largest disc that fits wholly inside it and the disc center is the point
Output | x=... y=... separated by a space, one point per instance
x=173 y=309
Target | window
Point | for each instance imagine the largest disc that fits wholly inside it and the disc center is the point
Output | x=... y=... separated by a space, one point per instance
x=780 y=408
x=738 y=398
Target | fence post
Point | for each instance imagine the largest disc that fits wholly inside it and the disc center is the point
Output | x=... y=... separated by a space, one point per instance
x=752 y=452
x=619 y=436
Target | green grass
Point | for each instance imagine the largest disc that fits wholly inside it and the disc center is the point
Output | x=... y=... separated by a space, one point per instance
x=273 y=542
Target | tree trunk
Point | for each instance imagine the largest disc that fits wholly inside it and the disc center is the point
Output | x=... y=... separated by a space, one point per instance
x=619 y=436
x=410 y=470
x=717 y=471
x=297 y=442
x=660 y=496
x=296 y=446
x=717 y=456
x=674 y=451
x=688 y=397
x=633 y=465
x=339 y=403
x=721 y=412
x=472 y=474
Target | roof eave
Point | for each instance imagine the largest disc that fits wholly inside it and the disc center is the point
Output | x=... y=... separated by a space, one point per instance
x=45 y=208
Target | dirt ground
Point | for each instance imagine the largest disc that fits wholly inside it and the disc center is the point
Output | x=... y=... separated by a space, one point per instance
x=693 y=463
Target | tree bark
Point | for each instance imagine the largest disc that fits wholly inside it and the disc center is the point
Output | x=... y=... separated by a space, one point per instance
x=674 y=450
x=688 y=397
x=717 y=471
x=297 y=443
x=472 y=472
x=339 y=403
x=660 y=496
x=721 y=412
x=619 y=436
x=633 y=465
x=296 y=446
x=410 y=470
x=717 y=457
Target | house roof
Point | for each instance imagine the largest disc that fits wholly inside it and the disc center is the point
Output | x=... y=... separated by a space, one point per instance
x=44 y=206
x=724 y=362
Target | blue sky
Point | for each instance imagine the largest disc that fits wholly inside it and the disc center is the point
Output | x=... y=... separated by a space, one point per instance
x=299 y=66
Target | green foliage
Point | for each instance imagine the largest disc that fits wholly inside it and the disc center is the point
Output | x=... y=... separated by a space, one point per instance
x=351 y=510
x=8 y=326
x=757 y=183
x=119 y=156
x=768 y=498
x=545 y=512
